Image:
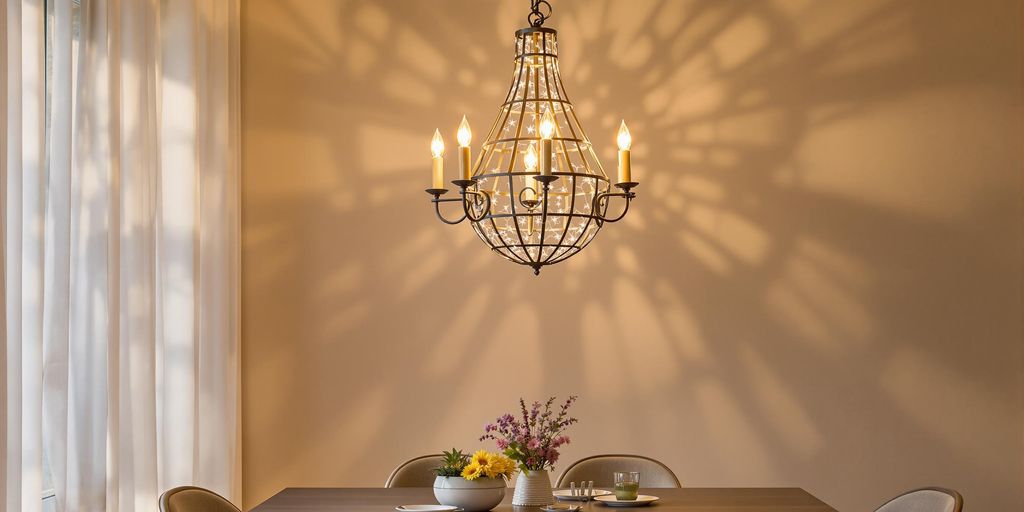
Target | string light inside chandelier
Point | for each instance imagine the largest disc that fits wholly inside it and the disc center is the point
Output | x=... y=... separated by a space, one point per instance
x=537 y=193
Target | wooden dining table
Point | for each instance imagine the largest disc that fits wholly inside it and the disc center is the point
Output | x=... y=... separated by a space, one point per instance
x=687 y=499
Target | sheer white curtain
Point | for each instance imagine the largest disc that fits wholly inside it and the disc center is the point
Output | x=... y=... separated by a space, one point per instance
x=22 y=161
x=119 y=179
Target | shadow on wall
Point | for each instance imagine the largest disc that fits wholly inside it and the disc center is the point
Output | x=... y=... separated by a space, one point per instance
x=816 y=268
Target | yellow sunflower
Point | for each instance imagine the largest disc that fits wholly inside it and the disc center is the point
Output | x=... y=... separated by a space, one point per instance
x=472 y=471
x=482 y=458
x=500 y=465
x=496 y=468
x=508 y=466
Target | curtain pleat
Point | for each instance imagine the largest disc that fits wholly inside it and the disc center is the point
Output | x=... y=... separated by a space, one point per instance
x=178 y=197
x=218 y=254
x=119 y=326
x=5 y=483
x=57 y=269
x=24 y=218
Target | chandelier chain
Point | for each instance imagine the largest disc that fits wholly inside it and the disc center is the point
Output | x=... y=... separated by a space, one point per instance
x=537 y=15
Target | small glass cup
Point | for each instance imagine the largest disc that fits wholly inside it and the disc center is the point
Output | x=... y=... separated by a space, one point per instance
x=627 y=485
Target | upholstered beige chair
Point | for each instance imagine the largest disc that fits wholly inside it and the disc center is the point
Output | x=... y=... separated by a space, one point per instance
x=194 y=499
x=929 y=499
x=599 y=468
x=418 y=472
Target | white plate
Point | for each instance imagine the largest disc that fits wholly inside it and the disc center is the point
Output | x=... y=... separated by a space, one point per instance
x=426 y=508
x=566 y=494
x=561 y=508
x=640 y=501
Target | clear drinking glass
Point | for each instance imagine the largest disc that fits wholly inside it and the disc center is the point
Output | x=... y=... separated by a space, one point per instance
x=627 y=485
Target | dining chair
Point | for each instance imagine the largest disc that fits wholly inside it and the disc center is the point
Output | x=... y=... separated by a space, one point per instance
x=928 y=499
x=194 y=499
x=417 y=472
x=599 y=468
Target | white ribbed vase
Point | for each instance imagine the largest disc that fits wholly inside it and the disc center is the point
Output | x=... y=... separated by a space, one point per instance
x=533 y=489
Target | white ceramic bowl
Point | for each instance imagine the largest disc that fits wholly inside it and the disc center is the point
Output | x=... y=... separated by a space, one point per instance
x=470 y=495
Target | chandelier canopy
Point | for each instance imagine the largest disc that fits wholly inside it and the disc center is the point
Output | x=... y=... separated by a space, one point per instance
x=537 y=193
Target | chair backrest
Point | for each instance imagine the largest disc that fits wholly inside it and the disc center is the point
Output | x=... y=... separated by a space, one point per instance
x=599 y=468
x=418 y=472
x=928 y=499
x=194 y=499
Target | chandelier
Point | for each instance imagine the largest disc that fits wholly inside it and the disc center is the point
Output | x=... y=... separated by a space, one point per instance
x=536 y=194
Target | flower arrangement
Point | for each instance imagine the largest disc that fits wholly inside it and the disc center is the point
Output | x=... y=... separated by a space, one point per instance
x=473 y=483
x=532 y=440
x=480 y=464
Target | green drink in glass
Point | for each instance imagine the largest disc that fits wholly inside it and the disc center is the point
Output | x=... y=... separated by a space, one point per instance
x=627 y=485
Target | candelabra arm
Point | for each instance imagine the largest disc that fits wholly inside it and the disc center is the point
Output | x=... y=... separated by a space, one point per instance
x=546 y=180
x=600 y=206
x=437 y=200
x=543 y=228
x=437 y=209
x=475 y=204
x=477 y=208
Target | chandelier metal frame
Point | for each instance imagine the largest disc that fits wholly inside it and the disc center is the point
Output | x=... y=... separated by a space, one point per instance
x=511 y=233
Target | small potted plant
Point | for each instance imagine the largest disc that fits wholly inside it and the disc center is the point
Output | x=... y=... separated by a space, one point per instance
x=532 y=441
x=473 y=483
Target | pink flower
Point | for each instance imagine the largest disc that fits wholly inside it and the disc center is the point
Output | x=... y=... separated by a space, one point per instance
x=551 y=456
x=533 y=444
x=502 y=444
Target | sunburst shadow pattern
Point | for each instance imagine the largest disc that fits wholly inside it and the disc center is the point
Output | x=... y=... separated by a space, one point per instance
x=819 y=234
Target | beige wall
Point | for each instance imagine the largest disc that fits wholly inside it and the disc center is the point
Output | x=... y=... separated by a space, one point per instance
x=820 y=284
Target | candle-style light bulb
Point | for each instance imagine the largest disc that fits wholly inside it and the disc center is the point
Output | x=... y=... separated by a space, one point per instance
x=437 y=172
x=547 y=125
x=437 y=144
x=464 y=134
x=547 y=130
x=624 y=139
x=530 y=160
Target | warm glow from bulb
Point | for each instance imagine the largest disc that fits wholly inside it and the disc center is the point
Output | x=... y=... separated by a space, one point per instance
x=625 y=140
x=464 y=135
x=530 y=160
x=547 y=125
x=437 y=144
